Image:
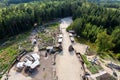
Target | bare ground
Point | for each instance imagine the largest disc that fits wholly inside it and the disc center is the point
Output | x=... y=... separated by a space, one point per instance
x=68 y=66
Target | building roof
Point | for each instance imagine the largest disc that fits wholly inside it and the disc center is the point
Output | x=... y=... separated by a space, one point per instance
x=28 y=63
x=20 y=64
x=35 y=56
x=35 y=64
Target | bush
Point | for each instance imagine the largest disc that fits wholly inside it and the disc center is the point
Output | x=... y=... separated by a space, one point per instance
x=118 y=56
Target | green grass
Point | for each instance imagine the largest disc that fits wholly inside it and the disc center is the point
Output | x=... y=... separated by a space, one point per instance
x=102 y=60
x=87 y=42
x=53 y=26
x=93 y=47
x=92 y=68
x=10 y=51
x=114 y=9
x=109 y=56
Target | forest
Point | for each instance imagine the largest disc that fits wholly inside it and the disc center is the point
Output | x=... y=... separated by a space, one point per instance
x=100 y=26
x=8 y=2
x=20 y=18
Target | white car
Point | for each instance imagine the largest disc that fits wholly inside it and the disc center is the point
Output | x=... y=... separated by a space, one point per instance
x=60 y=40
x=72 y=39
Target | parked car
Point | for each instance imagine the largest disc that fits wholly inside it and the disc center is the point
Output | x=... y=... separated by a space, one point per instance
x=71 y=48
x=111 y=65
x=72 y=39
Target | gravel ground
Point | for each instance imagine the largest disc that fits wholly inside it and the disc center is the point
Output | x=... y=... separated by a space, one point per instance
x=68 y=66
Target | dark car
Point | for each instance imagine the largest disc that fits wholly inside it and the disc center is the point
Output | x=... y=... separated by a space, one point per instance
x=71 y=48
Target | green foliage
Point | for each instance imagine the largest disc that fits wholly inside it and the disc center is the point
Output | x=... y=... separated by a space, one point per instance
x=86 y=30
x=104 y=42
x=10 y=50
x=93 y=68
x=77 y=25
x=19 y=18
x=89 y=21
x=98 y=16
x=118 y=56
x=116 y=39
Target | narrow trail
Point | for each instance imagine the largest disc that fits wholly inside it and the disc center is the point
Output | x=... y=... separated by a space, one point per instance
x=68 y=66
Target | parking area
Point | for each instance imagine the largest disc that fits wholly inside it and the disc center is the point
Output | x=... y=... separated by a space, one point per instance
x=43 y=72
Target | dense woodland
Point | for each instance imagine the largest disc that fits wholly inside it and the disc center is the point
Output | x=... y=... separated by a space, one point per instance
x=99 y=25
x=19 y=18
x=8 y=2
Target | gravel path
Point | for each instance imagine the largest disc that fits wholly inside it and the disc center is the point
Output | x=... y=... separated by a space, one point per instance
x=68 y=66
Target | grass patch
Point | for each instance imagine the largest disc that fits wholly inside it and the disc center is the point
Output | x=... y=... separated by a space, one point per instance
x=93 y=49
x=102 y=60
x=53 y=26
x=110 y=57
x=87 y=42
x=10 y=50
x=92 y=68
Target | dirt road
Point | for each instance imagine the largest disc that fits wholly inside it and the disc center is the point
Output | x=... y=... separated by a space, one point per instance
x=68 y=66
